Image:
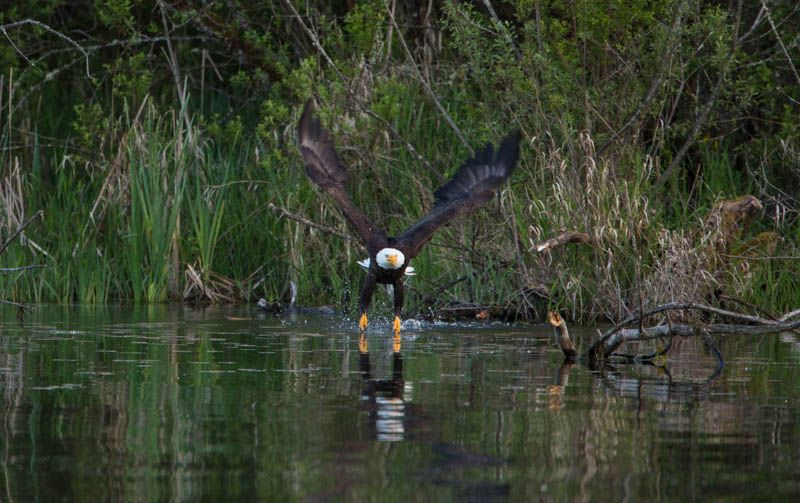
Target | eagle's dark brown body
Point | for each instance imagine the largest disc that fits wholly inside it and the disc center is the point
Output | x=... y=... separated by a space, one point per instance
x=473 y=184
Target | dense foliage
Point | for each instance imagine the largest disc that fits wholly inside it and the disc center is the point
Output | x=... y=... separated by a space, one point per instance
x=157 y=136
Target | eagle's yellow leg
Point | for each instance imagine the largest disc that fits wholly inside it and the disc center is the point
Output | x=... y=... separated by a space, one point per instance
x=362 y=343
x=362 y=323
x=396 y=342
x=397 y=325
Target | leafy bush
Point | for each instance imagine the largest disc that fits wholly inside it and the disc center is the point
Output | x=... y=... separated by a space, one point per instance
x=639 y=119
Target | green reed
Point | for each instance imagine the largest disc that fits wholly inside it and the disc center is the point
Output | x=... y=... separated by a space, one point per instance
x=157 y=187
x=168 y=197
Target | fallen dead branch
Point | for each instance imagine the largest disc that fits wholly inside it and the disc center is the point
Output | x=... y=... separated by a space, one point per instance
x=605 y=348
x=459 y=311
x=208 y=286
x=564 y=238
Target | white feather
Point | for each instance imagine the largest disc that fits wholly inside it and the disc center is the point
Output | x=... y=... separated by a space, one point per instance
x=390 y=258
x=365 y=264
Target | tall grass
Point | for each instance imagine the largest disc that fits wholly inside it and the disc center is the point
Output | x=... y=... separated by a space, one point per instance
x=167 y=213
x=147 y=201
x=157 y=187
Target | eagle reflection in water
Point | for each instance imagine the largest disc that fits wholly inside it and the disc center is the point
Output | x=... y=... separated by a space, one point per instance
x=393 y=417
x=385 y=398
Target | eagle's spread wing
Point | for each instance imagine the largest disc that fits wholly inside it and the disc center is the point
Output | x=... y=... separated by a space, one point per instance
x=326 y=170
x=473 y=184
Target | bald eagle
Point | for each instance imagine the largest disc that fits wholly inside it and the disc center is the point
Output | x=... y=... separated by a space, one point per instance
x=474 y=183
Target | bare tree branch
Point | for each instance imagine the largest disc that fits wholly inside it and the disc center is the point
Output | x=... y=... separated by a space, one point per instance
x=19 y=231
x=780 y=41
x=425 y=83
x=361 y=105
x=5 y=27
x=502 y=28
x=90 y=49
x=658 y=78
x=701 y=119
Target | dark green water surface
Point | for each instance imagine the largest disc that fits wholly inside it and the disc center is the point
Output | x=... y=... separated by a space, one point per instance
x=184 y=404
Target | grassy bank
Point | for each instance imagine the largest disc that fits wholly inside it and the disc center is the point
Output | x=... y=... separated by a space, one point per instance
x=157 y=189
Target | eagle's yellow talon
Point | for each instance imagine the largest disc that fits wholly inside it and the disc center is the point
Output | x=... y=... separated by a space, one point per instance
x=362 y=323
x=397 y=325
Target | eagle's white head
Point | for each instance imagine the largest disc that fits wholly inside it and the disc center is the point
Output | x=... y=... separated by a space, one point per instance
x=390 y=258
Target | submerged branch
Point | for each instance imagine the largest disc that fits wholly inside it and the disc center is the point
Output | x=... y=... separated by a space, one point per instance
x=16 y=304
x=430 y=298
x=605 y=346
x=611 y=344
x=562 y=335
x=683 y=306
x=477 y=311
x=789 y=316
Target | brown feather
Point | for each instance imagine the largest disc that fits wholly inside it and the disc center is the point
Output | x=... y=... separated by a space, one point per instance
x=474 y=183
x=327 y=171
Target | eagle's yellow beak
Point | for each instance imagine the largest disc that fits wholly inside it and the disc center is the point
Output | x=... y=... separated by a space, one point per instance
x=392 y=259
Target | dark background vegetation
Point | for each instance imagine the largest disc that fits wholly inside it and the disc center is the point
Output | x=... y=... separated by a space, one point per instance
x=158 y=138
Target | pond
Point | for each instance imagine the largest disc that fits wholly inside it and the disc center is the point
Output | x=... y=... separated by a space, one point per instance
x=232 y=404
